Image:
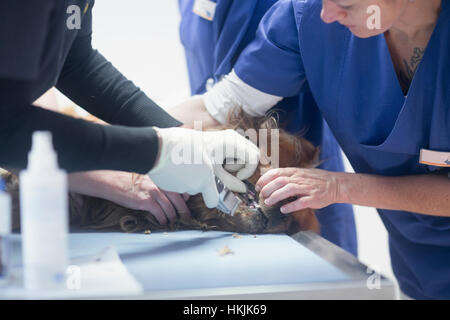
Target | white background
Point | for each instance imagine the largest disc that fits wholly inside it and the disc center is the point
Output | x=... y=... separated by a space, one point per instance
x=141 y=39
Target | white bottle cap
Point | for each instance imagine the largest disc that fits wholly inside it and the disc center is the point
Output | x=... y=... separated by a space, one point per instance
x=5 y=213
x=42 y=157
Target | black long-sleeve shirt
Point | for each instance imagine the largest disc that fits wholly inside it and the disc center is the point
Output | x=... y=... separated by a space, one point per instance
x=40 y=47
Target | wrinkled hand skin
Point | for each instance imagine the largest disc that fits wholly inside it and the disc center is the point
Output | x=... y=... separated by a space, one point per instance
x=144 y=195
x=130 y=190
x=294 y=151
x=307 y=188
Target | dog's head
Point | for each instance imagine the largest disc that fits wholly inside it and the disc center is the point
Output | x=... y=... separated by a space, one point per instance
x=291 y=151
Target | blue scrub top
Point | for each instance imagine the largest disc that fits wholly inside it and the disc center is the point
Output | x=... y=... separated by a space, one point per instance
x=381 y=131
x=212 y=49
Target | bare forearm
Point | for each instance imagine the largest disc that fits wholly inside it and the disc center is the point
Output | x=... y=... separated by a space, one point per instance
x=100 y=184
x=191 y=111
x=426 y=194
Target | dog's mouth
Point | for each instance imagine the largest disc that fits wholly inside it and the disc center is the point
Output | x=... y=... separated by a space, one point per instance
x=263 y=220
x=250 y=200
x=266 y=218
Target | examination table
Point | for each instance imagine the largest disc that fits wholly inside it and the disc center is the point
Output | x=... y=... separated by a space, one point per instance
x=216 y=265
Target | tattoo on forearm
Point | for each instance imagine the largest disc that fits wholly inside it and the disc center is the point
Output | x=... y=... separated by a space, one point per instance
x=414 y=62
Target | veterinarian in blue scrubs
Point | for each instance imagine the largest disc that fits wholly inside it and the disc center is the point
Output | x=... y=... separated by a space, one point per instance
x=384 y=89
x=214 y=33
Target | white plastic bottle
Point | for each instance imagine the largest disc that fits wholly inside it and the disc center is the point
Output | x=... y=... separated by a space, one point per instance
x=44 y=217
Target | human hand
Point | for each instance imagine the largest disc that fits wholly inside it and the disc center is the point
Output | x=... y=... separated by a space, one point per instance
x=189 y=160
x=313 y=188
x=131 y=191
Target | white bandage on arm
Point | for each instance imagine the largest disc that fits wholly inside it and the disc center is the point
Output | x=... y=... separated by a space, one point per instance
x=232 y=92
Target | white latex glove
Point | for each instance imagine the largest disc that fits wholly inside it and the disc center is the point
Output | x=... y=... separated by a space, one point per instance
x=189 y=160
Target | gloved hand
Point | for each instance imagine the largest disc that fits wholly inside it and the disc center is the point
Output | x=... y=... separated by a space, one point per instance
x=189 y=160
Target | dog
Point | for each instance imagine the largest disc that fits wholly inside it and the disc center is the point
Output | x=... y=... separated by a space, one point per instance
x=294 y=151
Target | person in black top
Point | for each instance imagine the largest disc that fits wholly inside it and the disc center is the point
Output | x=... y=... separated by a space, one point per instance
x=45 y=43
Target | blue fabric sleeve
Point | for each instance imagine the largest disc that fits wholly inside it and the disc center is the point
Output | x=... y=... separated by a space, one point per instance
x=272 y=62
